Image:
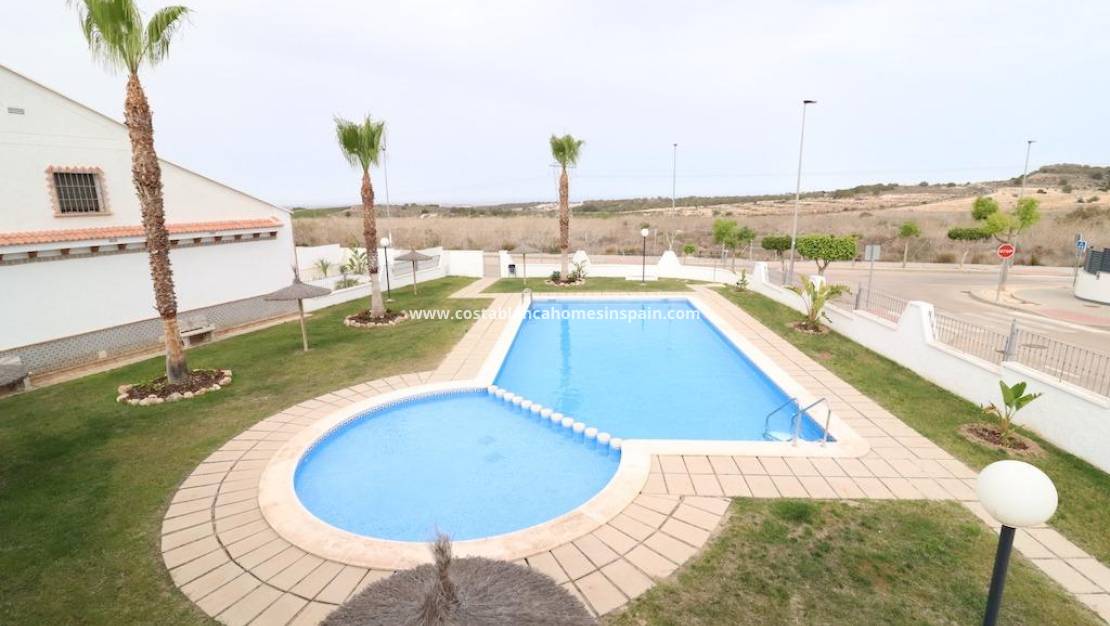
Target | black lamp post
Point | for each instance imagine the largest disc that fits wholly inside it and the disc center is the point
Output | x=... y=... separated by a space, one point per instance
x=1018 y=495
x=644 y=232
x=385 y=247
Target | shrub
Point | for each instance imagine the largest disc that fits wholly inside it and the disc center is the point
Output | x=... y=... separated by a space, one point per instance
x=983 y=207
x=944 y=257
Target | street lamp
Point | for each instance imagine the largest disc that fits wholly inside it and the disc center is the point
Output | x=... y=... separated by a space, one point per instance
x=674 y=174
x=385 y=253
x=1018 y=495
x=1004 y=268
x=644 y=232
x=797 y=194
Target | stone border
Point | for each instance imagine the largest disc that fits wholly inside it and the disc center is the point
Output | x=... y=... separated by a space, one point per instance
x=284 y=512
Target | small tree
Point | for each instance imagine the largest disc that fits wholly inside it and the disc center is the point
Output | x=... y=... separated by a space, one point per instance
x=777 y=244
x=824 y=249
x=1005 y=227
x=968 y=235
x=1014 y=399
x=815 y=296
x=688 y=249
x=744 y=237
x=909 y=230
x=725 y=235
x=323 y=266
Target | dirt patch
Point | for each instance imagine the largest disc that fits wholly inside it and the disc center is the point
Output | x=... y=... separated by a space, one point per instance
x=363 y=319
x=802 y=328
x=160 y=390
x=990 y=436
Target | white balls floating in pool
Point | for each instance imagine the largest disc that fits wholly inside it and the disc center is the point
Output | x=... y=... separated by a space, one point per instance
x=517 y=400
x=603 y=438
x=555 y=418
x=492 y=390
x=615 y=443
x=538 y=409
x=568 y=422
x=508 y=396
x=591 y=432
x=578 y=427
x=546 y=413
x=526 y=404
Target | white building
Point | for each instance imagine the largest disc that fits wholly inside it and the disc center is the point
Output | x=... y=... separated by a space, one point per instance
x=74 y=280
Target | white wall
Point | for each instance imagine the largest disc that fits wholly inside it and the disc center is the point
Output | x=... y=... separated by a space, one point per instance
x=47 y=300
x=396 y=281
x=667 y=266
x=465 y=263
x=1071 y=417
x=1093 y=287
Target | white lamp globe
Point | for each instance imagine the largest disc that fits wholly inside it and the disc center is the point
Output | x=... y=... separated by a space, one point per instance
x=644 y=232
x=1016 y=493
x=385 y=242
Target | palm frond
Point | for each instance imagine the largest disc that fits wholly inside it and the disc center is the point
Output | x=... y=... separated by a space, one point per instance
x=116 y=35
x=360 y=142
x=160 y=30
x=565 y=149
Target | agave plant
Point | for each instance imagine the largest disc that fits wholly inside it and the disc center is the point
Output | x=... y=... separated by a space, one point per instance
x=815 y=295
x=1014 y=399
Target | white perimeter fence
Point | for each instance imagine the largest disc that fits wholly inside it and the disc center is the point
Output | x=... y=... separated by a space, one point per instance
x=969 y=360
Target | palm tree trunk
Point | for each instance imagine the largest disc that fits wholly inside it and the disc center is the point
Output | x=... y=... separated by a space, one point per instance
x=146 y=174
x=905 y=253
x=370 y=234
x=564 y=224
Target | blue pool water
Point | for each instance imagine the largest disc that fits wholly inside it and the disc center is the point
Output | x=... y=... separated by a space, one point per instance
x=465 y=464
x=642 y=369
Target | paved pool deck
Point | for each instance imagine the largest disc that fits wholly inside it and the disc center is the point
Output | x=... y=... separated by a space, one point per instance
x=222 y=553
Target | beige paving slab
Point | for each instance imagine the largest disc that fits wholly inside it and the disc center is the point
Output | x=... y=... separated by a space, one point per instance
x=602 y=594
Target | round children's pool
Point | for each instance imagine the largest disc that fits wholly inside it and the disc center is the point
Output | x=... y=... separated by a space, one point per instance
x=462 y=463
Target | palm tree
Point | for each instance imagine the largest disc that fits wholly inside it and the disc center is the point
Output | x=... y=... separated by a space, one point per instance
x=117 y=36
x=565 y=150
x=361 y=144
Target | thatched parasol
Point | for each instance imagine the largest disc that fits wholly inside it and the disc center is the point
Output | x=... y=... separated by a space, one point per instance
x=298 y=291
x=525 y=250
x=415 y=257
x=463 y=592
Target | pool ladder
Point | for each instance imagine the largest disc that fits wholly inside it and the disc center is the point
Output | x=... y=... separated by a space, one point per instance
x=796 y=422
x=527 y=293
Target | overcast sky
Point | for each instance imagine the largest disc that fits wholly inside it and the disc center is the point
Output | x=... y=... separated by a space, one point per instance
x=940 y=90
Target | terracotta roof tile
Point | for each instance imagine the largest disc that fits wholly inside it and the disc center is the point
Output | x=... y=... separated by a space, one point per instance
x=110 y=232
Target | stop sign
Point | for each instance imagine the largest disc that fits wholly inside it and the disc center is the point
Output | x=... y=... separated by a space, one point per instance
x=1005 y=251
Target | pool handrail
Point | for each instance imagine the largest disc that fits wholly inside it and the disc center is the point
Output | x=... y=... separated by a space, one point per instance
x=526 y=292
x=796 y=419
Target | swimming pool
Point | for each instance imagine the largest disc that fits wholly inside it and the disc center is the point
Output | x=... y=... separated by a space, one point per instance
x=643 y=369
x=463 y=463
x=366 y=484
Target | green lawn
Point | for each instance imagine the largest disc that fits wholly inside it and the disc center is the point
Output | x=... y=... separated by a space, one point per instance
x=872 y=562
x=1084 y=513
x=515 y=285
x=84 y=481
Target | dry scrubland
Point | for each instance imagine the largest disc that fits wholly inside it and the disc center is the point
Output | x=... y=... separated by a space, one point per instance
x=1069 y=204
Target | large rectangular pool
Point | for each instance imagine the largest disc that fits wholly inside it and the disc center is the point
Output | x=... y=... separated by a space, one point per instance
x=643 y=369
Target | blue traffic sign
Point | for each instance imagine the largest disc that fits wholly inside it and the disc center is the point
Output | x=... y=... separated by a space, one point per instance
x=1080 y=245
